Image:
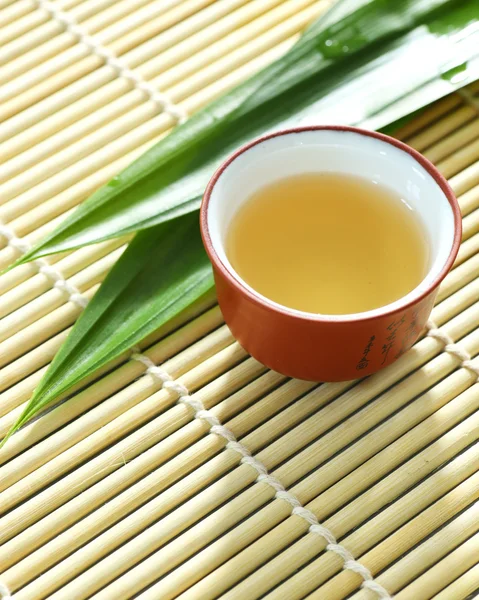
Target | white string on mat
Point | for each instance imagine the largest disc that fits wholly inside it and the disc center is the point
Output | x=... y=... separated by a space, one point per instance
x=59 y=282
x=121 y=68
x=452 y=348
x=200 y=412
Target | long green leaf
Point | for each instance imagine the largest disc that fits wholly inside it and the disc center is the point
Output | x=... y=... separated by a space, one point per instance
x=163 y=271
x=169 y=179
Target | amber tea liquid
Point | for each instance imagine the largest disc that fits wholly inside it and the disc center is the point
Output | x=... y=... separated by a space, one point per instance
x=328 y=243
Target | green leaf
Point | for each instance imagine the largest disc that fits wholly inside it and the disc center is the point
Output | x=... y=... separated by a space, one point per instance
x=355 y=40
x=164 y=270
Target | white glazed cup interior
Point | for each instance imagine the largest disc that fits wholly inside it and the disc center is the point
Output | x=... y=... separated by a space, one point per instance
x=340 y=151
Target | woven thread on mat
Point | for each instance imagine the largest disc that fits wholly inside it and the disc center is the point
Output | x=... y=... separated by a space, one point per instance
x=59 y=282
x=452 y=348
x=121 y=68
x=200 y=412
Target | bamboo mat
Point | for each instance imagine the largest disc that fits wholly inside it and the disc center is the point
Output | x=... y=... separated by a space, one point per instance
x=281 y=489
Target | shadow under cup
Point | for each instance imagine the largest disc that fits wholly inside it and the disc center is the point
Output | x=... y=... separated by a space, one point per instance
x=328 y=347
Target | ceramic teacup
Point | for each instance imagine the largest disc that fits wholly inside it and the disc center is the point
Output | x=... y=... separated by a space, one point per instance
x=315 y=346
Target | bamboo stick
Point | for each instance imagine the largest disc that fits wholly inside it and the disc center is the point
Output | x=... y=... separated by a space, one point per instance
x=41 y=27
x=52 y=299
x=147 y=23
x=466 y=179
x=59 y=103
x=444 y=572
x=9 y=254
x=47 y=59
x=185 y=544
x=114 y=10
x=444 y=127
x=427 y=117
x=435 y=547
x=468 y=249
x=58 y=205
x=456 y=302
x=17 y=10
x=240 y=26
x=18 y=275
x=459 y=160
x=17 y=397
x=147 y=111
x=404 y=508
x=185 y=87
x=454 y=142
x=282 y=19
x=26 y=23
x=165 y=57
x=359 y=480
x=41 y=329
x=12 y=373
x=4 y=3
x=469 y=201
x=115 y=148
x=62 y=51
x=463 y=587
x=113 y=383
x=84 y=167
x=470 y=224
x=458 y=277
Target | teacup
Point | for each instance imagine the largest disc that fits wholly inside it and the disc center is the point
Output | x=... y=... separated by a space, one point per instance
x=313 y=346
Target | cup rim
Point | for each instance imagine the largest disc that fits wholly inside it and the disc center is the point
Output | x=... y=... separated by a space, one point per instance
x=372 y=314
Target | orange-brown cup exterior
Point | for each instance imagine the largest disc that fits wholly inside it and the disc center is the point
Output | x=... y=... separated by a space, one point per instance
x=317 y=350
x=316 y=347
